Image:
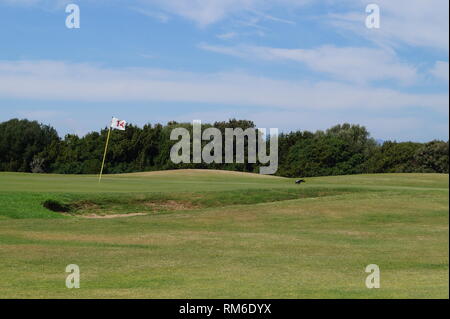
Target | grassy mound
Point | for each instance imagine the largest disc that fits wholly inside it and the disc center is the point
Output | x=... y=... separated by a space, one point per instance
x=22 y=195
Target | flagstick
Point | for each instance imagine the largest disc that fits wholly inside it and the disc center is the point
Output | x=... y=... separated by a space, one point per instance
x=104 y=155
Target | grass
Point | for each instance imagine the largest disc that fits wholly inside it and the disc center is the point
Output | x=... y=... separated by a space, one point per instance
x=225 y=235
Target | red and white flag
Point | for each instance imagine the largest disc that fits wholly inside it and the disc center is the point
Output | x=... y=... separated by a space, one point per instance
x=118 y=124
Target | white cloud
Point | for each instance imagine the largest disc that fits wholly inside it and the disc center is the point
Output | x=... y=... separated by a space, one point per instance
x=59 y=81
x=227 y=35
x=202 y=12
x=440 y=70
x=240 y=52
x=351 y=63
x=205 y=12
x=269 y=17
x=413 y=22
x=161 y=17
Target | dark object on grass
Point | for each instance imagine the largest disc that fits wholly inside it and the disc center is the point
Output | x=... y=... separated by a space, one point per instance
x=56 y=206
x=299 y=181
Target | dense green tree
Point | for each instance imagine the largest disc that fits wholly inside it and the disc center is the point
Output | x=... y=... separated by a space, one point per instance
x=393 y=157
x=21 y=141
x=343 y=149
x=432 y=157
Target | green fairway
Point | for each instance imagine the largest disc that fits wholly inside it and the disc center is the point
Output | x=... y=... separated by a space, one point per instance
x=218 y=234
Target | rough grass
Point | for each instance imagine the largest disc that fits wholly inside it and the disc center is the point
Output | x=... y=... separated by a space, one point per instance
x=238 y=236
x=151 y=203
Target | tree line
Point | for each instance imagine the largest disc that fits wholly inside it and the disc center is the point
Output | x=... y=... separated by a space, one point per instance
x=28 y=146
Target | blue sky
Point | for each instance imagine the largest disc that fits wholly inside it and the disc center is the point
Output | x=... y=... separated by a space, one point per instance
x=289 y=64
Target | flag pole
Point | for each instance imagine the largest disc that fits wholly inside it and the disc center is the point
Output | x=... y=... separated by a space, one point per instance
x=104 y=155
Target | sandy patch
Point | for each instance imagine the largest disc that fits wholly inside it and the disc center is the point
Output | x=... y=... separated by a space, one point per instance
x=171 y=205
x=94 y=216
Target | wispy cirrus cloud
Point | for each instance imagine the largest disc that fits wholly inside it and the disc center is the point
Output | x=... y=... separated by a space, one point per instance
x=227 y=35
x=415 y=23
x=356 y=64
x=201 y=12
x=206 y=12
x=159 y=16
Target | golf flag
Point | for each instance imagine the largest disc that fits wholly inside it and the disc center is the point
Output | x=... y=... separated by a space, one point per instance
x=118 y=124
